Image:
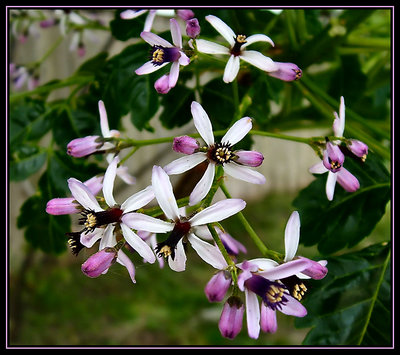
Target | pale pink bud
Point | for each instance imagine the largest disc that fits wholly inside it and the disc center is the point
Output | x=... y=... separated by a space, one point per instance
x=192 y=27
x=81 y=147
x=286 y=72
x=185 y=15
x=358 y=148
x=249 y=157
x=317 y=270
x=162 y=84
x=185 y=145
x=60 y=206
x=217 y=287
x=99 y=262
x=230 y=323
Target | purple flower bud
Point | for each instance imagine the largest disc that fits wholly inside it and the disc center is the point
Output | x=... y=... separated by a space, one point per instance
x=61 y=206
x=47 y=23
x=317 y=270
x=268 y=321
x=347 y=180
x=249 y=158
x=286 y=72
x=185 y=145
x=230 y=323
x=192 y=27
x=99 y=262
x=81 y=50
x=162 y=84
x=217 y=287
x=333 y=157
x=81 y=147
x=185 y=15
x=358 y=148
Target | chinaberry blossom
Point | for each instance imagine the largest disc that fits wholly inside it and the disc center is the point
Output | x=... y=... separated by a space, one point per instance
x=151 y=14
x=236 y=163
x=286 y=72
x=163 y=53
x=182 y=229
x=237 y=49
x=333 y=159
x=99 y=223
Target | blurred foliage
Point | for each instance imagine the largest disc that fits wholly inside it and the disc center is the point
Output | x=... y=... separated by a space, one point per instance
x=341 y=52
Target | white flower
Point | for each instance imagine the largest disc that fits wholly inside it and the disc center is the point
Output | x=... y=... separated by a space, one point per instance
x=216 y=153
x=236 y=50
x=182 y=228
x=131 y=14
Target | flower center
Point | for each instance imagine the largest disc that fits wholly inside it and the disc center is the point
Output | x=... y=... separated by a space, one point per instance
x=239 y=41
x=220 y=153
x=167 y=247
x=160 y=55
x=92 y=220
x=295 y=287
x=335 y=165
x=299 y=73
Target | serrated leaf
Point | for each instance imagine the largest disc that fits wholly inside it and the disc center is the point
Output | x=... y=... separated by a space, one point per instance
x=352 y=304
x=349 y=218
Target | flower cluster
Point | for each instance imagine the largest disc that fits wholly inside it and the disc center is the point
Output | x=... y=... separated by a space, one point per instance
x=171 y=228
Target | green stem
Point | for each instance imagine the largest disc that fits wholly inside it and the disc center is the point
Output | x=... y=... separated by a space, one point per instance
x=281 y=136
x=49 y=51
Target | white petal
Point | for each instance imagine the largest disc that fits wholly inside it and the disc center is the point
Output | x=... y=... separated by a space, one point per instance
x=108 y=239
x=342 y=111
x=204 y=46
x=252 y=314
x=292 y=236
x=124 y=260
x=175 y=33
x=257 y=38
x=105 y=130
x=222 y=28
x=88 y=239
x=285 y=270
x=293 y=307
x=179 y=262
x=231 y=69
x=148 y=24
x=218 y=211
x=149 y=67
x=155 y=40
x=185 y=163
x=122 y=172
x=183 y=59
x=202 y=123
x=318 y=168
x=259 y=60
x=203 y=186
x=138 y=244
x=263 y=264
x=244 y=173
x=138 y=200
x=173 y=74
x=208 y=252
x=130 y=14
x=82 y=194
x=163 y=191
x=330 y=185
x=142 y=222
x=108 y=184
x=237 y=132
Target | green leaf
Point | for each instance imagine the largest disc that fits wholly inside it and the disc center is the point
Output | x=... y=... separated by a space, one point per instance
x=352 y=304
x=25 y=161
x=349 y=218
x=126 y=29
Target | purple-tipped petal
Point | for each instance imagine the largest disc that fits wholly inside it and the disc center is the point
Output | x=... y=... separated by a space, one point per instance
x=217 y=287
x=287 y=269
x=268 y=319
x=231 y=320
x=286 y=72
x=61 y=206
x=347 y=180
x=316 y=270
x=185 y=145
x=99 y=262
x=81 y=147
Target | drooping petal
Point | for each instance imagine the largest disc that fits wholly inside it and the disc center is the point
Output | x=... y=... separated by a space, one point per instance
x=149 y=67
x=124 y=260
x=140 y=221
x=155 y=40
x=257 y=38
x=330 y=185
x=224 y=30
x=238 y=130
x=347 y=180
x=218 y=286
x=252 y=314
x=208 y=252
x=203 y=186
x=292 y=236
x=285 y=270
x=231 y=69
x=163 y=191
x=175 y=33
x=318 y=168
x=148 y=23
x=88 y=239
x=108 y=183
x=130 y=14
x=259 y=60
x=218 y=211
x=105 y=130
x=185 y=163
x=268 y=319
x=317 y=269
x=293 y=307
x=258 y=264
x=83 y=195
x=179 y=262
x=204 y=46
x=202 y=123
x=183 y=59
x=138 y=200
x=137 y=243
x=108 y=239
x=231 y=320
x=244 y=173
x=173 y=75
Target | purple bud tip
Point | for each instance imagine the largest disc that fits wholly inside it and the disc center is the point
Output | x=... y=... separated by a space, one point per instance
x=99 y=262
x=185 y=145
